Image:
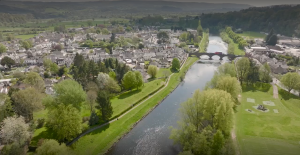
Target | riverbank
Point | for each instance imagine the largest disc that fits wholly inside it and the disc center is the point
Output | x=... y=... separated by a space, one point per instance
x=233 y=48
x=100 y=140
x=204 y=42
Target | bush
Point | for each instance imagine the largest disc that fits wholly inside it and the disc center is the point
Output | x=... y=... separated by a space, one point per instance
x=40 y=123
x=94 y=119
x=85 y=127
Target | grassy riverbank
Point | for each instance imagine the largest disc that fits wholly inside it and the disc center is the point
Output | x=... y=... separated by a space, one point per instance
x=252 y=34
x=204 y=42
x=233 y=48
x=100 y=140
x=274 y=132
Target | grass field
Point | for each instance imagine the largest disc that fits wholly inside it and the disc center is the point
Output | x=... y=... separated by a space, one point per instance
x=98 y=141
x=268 y=133
x=251 y=34
x=24 y=37
x=162 y=71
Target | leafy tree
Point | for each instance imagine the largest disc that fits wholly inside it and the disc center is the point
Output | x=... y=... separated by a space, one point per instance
x=230 y=85
x=26 y=102
x=202 y=115
x=112 y=86
x=141 y=46
x=129 y=80
x=6 y=109
x=218 y=143
x=69 y=92
x=52 y=147
x=112 y=74
x=78 y=60
x=102 y=80
x=19 y=75
x=7 y=61
x=27 y=45
x=89 y=23
x=152 y=71
x=47 y=62
x=242 y=66
x=290 y=81
x=104 y=105
x=264 y=73
x=2 y=49
x=14 y=130
x=139 y=79
x=63 y=70
x=227 y=68
x=91 y=98
x=13 y=149
x=175 y=64
x=65 y=121
x=35 y=80
x=163 y=36
x=253 y=74
x=199 y=29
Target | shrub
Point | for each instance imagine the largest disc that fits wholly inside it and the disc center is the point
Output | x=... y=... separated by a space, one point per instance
x=84 y=127
x=85 y=119
x=40 y=123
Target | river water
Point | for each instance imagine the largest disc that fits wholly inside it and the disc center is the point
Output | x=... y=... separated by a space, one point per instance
x=151 y=135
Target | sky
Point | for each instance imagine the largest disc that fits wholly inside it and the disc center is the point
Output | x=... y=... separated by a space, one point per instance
x=249 y=2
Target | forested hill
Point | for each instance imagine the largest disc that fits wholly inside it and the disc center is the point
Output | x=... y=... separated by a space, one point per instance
x=284 y=19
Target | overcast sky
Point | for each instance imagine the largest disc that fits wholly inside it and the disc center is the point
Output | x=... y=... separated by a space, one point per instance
x=250 y=2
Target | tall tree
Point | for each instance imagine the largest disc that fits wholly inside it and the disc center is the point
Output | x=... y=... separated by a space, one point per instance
x=129 y=80
x=7 y=61
x=230 y=85
x=35 y=80
x=14 y=130
x=139 y=79
x=2 y=49
x=290 y=80
x=227 y=68
x=163 y=36
x=6 y=108
x=253 y=74
x=65 y=121
x=69 y=92
x=26 y=102
x=199 y=29
x=175 y=64
x=152 y=71
x=242 y=66
x=264 y=73
x=104 y=105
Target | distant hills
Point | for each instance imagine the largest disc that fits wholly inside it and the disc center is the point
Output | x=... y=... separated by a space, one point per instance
x=113 y=8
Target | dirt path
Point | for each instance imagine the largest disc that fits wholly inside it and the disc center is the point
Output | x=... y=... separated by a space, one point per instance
x=100 y=126
x=275 y=91
x=235 y=143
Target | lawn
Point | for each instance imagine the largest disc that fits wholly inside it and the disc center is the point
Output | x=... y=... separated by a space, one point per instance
x=98 y=141
x=27 y=36
x=251 y=34
x=268 y=133
x=163 y=71
x=125 y=100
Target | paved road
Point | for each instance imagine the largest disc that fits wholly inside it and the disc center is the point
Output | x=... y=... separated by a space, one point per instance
x=278 y=83
x=275 y=91
x=100 y=126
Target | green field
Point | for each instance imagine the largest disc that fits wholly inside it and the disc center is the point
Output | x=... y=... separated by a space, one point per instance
x=268 y=133
x=251 y=34
x=98 y=141
x=24 y=37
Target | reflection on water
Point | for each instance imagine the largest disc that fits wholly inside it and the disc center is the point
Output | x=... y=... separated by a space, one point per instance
x=151 y=135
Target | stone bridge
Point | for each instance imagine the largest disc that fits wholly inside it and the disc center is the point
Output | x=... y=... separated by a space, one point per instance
x=221 y=55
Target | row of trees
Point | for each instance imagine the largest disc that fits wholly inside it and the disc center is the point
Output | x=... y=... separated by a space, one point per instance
x=206 y=118
x=291 y=81
x=236 y=38
x=226 y=39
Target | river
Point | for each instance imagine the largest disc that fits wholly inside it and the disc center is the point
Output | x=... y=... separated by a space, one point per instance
x=151 y=135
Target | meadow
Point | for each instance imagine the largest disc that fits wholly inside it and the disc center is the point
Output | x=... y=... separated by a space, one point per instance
x=252 y=34
x=268 y=133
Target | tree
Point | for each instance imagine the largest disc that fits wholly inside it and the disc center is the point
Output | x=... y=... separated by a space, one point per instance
x=26 y=102
x=199 y=29
x=152 y=71
x=6 y=109
x=273 y=40
x=242 y=66
x=230 y=85
x=94 y=119
x=270 y=34
x=112 y=86
x=264 y=73
x=129 y=80
x=65 y=121
x=139 y=79
x=7 y=61
x=26 y=45
x=202 y=115
x=102 y=80
x=104 y=105
x=218 y=143
x=35 y=80
x=14 y=130
x=78 y=60
x=47 y=62
x=52 y=147
x=112 y=74
x=290 y=81
x=2 y=49
x=253 y=74
x=163 y=36
x=69 y=92
x=227 y=68
x=175 y=64
x=91 y=98
x=89 y=23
